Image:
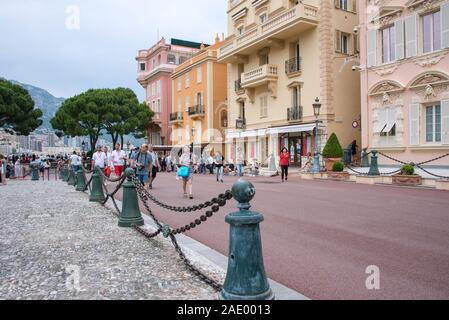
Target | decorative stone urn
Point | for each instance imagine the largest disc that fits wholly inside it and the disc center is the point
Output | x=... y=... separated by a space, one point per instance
x=405 y=180
x=329 y=163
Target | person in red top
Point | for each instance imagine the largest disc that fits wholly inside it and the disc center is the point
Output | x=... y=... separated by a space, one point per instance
x=285 y=163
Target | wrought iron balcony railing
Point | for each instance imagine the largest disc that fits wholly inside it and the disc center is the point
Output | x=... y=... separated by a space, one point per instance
x=294 y=113
x=197 y=110
x=176 y=116
x=293 y=65
x=240 y=124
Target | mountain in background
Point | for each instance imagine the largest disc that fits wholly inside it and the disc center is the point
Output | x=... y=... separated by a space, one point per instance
x=43 y=100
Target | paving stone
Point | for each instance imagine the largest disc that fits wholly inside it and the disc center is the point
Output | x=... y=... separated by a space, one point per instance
x=50 y=234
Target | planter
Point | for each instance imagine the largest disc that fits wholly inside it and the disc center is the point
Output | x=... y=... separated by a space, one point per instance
x=340 y=176
x=410 y=181
x=329 y=163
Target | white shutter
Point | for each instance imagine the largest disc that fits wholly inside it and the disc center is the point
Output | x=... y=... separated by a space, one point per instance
x=445 y=25
x=399 y=35
x=391 y=119
x=337 y=41
x=371 y=39
x=383 y=118
x=411 y=41
x=445 y=122
x=414 y=124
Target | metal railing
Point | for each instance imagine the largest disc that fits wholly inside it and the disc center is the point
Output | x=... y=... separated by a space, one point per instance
x=294 y=113
x=240 y=124
x=197 y=110
x=293 y=65
x=176 y=116
x=238 y=85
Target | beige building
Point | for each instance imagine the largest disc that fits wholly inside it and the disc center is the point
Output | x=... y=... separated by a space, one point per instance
x=281 y=56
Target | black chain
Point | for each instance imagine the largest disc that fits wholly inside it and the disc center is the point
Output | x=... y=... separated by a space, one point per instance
x=432 y=174
x=432 y=160
x=393 y=159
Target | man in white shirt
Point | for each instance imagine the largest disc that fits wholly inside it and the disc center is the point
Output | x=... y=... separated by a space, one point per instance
x=118 y=158
x=75 y=161
x=99 y=159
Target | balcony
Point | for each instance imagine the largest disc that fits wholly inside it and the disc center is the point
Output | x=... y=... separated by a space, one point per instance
x=275 y=31
x=176 y=118
x=259 y=76
x=293 y=66
x=294 y=113
x=196 y=112
x=240 y=124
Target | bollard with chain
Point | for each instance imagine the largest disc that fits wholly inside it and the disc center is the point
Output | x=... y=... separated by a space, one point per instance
x=61 y=173
x=365 y=159
x=374 y=168
x=96 y=192
x=66 y=174
x=246 y=278
x=71 y=180
x=130 y=215
x=80 y=181
x=35 y=172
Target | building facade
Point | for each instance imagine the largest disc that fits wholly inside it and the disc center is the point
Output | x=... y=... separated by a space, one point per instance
x=155 y=67
x=199 y=113
x=281 y=56
x=405 y=79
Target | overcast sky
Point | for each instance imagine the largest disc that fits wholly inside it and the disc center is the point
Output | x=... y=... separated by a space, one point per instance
x=41 y=44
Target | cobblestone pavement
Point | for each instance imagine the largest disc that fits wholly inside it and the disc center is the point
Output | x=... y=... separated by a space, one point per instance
x=55 y=244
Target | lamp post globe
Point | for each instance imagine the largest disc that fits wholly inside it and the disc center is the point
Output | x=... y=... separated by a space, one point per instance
x=316 y=158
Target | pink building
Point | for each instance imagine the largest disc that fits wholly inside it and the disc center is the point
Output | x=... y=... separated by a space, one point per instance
x=405 y=79
x=155 y=67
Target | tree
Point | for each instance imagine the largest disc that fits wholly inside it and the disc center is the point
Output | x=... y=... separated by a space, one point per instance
x=114 y=111
x=17 y=112
x=333 y=148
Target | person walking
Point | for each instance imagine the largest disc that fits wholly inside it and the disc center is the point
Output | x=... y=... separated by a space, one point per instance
x=99 y=159
x=142 y=162
x=75 y=162
x=118 y=157
x=155 y=167
x=187 y=161
x=47 y=166
x=284 y=163
x=210 y=164
x=219 y=164
x=2 y=170
x=240 y=162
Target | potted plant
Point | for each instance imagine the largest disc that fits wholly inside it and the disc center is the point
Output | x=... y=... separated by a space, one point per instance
x=338 y=172
x=407 y=177
x=332 y=152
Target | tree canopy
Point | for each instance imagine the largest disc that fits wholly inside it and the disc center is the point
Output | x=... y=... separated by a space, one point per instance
x=17 y=112
x=115 y=111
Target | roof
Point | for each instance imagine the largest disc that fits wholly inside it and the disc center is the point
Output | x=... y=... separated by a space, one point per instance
x=185 y=43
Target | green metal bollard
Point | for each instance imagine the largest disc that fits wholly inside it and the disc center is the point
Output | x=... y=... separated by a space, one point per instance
x=71 y=181
x=66 y=174
x=96 y=193
x=365 y=158
x=61 y=174
x=374 y=168
x=35 y=172
x=246 y=278
x=130 y=215
x=80 y=181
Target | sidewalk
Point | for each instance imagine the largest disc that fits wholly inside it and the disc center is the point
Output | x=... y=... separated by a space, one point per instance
x=57 y=245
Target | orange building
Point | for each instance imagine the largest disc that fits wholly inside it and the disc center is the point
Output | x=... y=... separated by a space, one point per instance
x=199 y=110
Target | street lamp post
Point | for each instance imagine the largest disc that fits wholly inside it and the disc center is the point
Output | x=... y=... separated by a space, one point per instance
x=316 y=159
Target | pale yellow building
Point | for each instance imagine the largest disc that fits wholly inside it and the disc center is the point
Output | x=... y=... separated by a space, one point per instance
x=281 y=56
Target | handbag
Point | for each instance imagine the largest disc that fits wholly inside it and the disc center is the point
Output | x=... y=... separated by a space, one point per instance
x=183 y=172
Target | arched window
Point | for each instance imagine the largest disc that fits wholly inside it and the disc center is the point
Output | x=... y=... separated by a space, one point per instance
x=224 y=119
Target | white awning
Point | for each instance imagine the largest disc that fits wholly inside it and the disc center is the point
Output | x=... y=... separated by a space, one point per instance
x=232 y=135
x=294 y=129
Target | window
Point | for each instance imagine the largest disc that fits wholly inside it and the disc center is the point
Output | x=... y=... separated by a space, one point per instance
x=179 y=83
x=142 y=67
x=154 y=63
x=171 y=59
x=431 y=32
x=158 y=88
x=199 y=75
x=263 y=18
x=224 y=119
x=264 y=106
x=343 y=4
x=387 y=126
x=240 y=30
x=388 y=45
x=187 y=103
x=159 y=105
x=182 y=59
x=187 y=80
x=433 y=124
x=344 y=43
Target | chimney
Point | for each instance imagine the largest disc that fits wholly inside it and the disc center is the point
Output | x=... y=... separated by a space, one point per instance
x=217 y=39
x=222 y=37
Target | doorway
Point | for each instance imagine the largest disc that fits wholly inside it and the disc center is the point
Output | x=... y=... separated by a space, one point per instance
x=296 y=150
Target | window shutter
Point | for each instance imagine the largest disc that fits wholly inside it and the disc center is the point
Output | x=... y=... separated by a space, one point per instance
x=445 y=122
x=445 y=25
x=399 y=35
x=382 y=121
x=337 y=41
x=414 y=124
x=337 y=4
x=371 y=39
x=411 y=36
x=355 y=44
x=354 y=6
